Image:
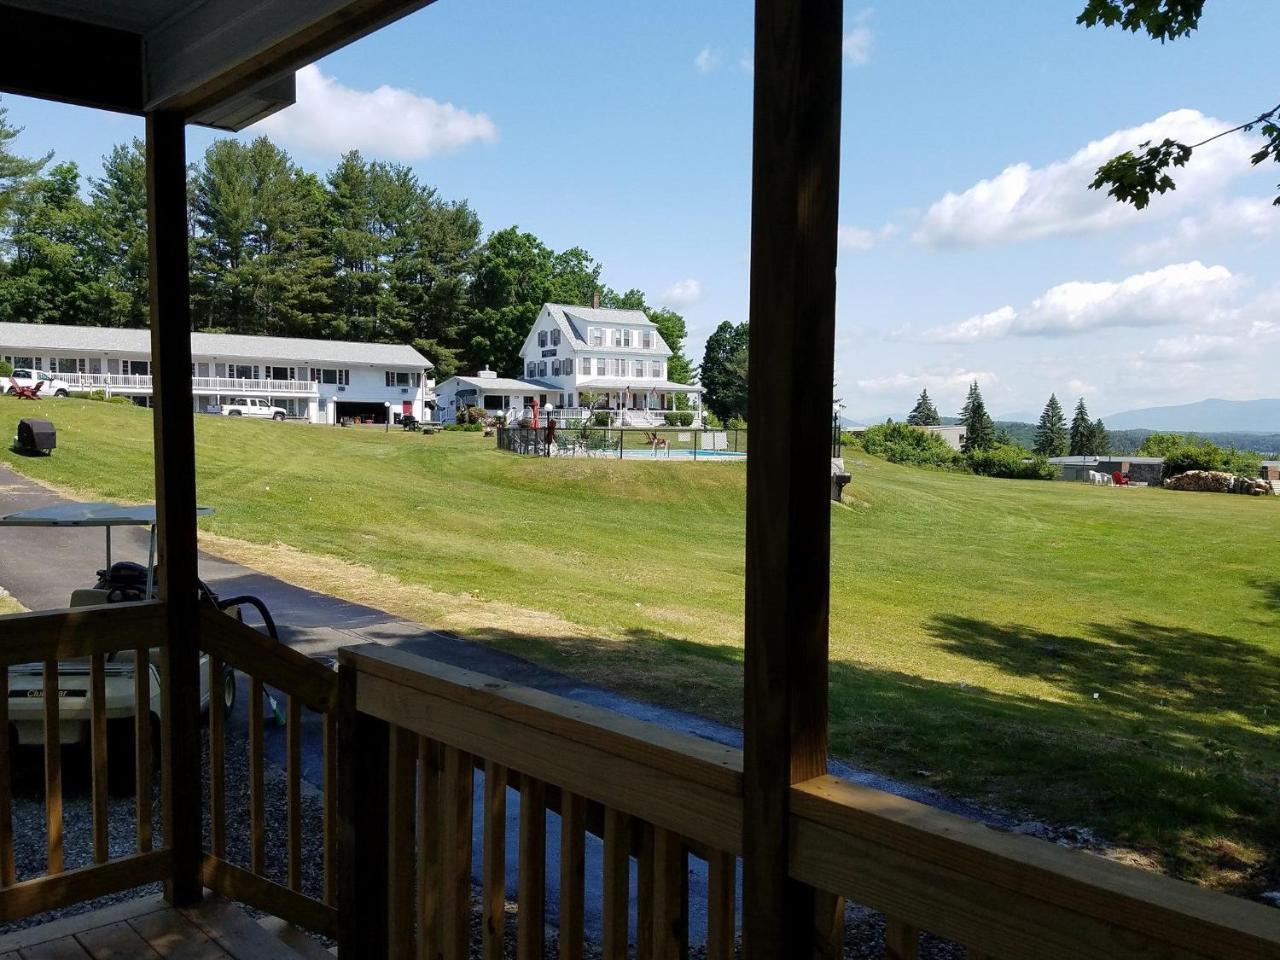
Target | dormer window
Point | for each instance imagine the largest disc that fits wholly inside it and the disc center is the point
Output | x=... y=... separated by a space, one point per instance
x=646 y=339
x=542 y=338
x=597 y=337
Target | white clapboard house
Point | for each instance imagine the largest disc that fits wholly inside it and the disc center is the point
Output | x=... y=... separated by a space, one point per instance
x=322 y=381
x=617 y=359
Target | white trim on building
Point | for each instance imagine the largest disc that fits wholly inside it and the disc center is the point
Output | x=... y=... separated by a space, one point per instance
x=321 y=381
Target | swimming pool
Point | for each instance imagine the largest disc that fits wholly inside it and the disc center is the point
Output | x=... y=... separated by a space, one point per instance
x=679 y=454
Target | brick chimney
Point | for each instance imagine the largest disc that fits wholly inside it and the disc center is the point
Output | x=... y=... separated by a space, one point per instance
x=595 y=300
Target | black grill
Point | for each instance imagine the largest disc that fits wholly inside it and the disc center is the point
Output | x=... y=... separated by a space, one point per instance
x=36 y=436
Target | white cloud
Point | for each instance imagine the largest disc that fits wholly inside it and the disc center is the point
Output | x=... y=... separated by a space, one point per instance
x=707 y=60
x=386 y=122
x=857 y=46
x=1238 y=218
x=862 y=239
x=1024 y=202
x=1181 y=293
x=683 y=293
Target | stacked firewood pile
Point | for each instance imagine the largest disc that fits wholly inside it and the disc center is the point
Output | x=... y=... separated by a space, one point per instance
x=1216 y=481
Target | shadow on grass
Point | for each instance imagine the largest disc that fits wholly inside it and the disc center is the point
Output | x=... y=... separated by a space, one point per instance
x=1181 y=781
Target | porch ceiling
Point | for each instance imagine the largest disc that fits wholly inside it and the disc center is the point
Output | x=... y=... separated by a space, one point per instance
x=221 y=63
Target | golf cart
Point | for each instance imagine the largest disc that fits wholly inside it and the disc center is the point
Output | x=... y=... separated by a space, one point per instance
x=118 y=582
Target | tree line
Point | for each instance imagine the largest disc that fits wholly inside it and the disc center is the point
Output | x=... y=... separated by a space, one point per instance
x=1053 y=438
x=364 y=252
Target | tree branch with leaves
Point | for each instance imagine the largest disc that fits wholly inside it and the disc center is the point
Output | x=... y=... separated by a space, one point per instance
x=1136 y=175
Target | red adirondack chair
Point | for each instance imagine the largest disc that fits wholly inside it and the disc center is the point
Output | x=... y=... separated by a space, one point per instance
x=25 y=393
x=1120 y=479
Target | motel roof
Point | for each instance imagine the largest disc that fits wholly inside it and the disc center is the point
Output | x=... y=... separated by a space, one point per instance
x=500 y=385
x=1108 y=458
x=295 y=350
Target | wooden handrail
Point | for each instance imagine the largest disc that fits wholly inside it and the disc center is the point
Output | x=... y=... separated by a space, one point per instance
x=683 y=783
x=1004 y=894
x=80 y=632
x=267 y=660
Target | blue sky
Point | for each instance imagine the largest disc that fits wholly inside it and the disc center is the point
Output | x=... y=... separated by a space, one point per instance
x=970 y=245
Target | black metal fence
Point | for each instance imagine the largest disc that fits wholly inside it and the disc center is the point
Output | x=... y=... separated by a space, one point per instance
x=675 y=443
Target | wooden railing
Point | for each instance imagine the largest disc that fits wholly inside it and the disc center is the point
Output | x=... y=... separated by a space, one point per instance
x=48 y=637
x=304 y=683
x=412 y=732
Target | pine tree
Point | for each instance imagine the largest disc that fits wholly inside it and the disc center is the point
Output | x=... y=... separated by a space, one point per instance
x=979 y=430
x=1051 y=432
x=924 y=413
x=1081 y=431
x=1099 y=439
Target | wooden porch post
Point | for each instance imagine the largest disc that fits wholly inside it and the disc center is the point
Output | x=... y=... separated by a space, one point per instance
x=796 y=152
x=175 y=498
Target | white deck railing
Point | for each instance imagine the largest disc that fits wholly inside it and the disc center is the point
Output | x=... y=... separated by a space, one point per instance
x=138 y=383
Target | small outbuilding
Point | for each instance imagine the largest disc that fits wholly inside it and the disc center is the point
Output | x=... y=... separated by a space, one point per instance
x=1149 y=470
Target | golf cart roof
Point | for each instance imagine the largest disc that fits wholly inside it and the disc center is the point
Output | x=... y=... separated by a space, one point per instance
x=88 y=515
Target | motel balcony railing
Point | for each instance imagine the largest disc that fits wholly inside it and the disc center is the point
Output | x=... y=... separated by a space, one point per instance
x=421 y=761
x=138 y=383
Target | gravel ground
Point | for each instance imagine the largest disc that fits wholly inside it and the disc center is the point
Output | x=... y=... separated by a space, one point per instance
x=864 y=929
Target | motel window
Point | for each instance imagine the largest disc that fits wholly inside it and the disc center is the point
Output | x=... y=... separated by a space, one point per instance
x=601 y=369
x=137 y=368
x=328 y=375
x=555 y=338
x=531 y=370
x=617 y=338
x=586 y=366
x=646 y=339
x=26 y=363
x=542 y=338
x=626 y=338
x=542 y=368
x=597 y=339
x=639 y=368
x=401 y=378
x=37 y=363
x=655 y=368
x=555 y=368
x=618 y=369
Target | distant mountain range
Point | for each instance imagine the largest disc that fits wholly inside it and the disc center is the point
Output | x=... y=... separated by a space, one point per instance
x=1203 y=416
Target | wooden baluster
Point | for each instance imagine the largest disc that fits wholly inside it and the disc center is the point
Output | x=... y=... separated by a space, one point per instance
x=400 y=846
x=901 y=941
x=330 y=800
x=828 y=922
x=217 y=763
x=52 y=767
x=617 y=870
x=455 y=906
x=430 y=847
x=142 y=745
x=257 y=792
x=531 y=928
x=573 y=851
x=8 y=869
x=293 y=790
x=495 y=861
x=722 y=889
x=98 y=754
x=671 y=895
x=642 y=837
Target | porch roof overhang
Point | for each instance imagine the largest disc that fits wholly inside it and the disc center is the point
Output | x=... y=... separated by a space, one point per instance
x=649 y=386
x=219 y=63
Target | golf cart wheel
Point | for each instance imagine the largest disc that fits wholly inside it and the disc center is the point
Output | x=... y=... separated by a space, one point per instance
x=279 y=417
x=228 y=691
x=61 y=393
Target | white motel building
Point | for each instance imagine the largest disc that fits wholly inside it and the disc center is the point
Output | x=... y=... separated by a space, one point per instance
x=322 y=381
x=616 y=356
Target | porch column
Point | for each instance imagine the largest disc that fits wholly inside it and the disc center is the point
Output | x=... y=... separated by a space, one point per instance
x=174 y=427
x=795 y=180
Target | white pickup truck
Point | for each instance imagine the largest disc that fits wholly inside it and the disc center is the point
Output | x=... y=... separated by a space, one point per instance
x=50 y=386
x=251 y=407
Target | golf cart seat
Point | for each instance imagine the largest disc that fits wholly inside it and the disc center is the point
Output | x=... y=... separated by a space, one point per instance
x=89 y=597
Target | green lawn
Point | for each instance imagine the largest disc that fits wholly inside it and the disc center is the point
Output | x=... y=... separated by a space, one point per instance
x=1086 y=655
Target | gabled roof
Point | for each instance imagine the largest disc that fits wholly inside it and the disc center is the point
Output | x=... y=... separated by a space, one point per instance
x=499 y=385
x=298 y=350
x=574 y=321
